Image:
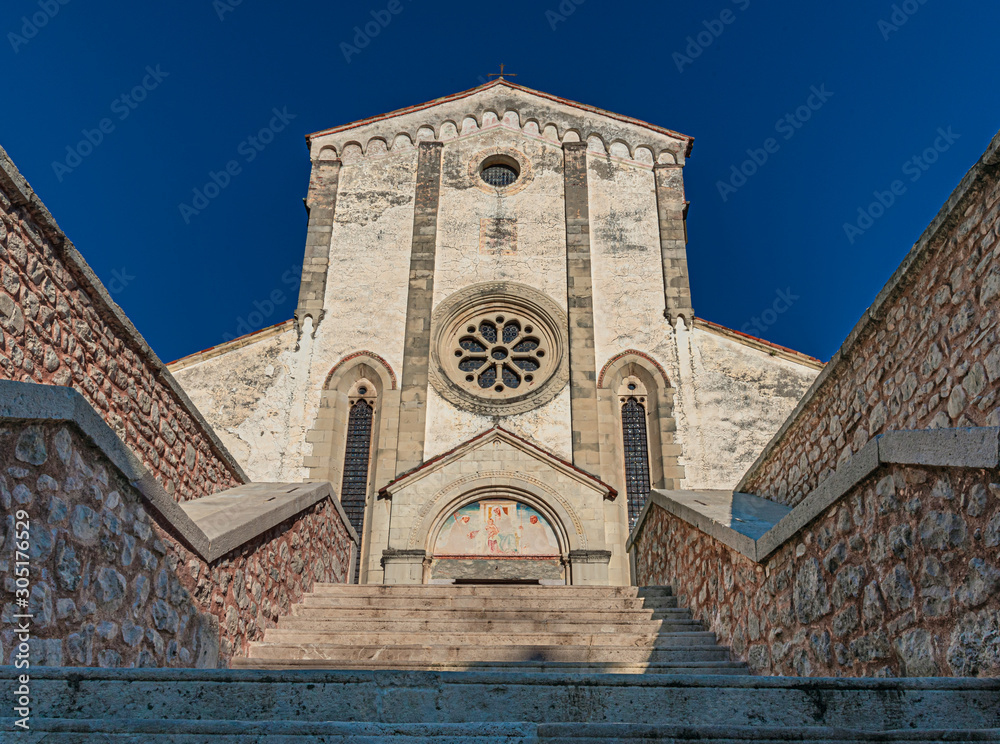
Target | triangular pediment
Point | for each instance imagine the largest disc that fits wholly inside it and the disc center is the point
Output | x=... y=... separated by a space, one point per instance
x=502 y=104
x=506 y=448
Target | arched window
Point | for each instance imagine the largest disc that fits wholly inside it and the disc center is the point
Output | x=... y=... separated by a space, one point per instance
x=636 y=450
x=357 y=457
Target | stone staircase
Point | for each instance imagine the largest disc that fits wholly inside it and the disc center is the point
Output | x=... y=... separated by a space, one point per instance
x=492 y=664
x=621 y=630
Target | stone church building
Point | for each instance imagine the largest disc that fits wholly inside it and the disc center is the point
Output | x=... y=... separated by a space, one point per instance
x=495 y=355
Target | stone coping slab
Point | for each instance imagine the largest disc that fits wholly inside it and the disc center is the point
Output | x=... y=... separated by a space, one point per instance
x=213 y=525
x=757 y=527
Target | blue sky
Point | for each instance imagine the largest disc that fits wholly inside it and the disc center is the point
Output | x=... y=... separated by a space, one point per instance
x=888 y=102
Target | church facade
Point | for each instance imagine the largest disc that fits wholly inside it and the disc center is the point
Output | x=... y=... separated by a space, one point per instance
x=495 y=355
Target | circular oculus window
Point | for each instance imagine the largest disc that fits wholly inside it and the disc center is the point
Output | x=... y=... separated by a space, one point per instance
x=502 y=353
x=500 y=170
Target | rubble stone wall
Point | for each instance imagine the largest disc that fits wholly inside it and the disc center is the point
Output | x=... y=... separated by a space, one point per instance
x=900 y=577
x=59 y=326
x=111 y=587
x=925 y=355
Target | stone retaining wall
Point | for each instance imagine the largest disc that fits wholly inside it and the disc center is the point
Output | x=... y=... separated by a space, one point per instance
x=59 y=326
x=899 y=577
x=111 y=587
x=925 y=355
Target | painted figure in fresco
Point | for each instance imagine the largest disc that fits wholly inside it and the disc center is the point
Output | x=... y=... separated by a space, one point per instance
x=538 y=537
x=491 y=536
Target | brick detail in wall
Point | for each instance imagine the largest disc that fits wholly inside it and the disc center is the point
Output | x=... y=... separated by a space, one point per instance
x=672 y=215
x=111 y=588
x=419 y=299
x=580 y=304
x=901 y=577
x=929 y=357
x=58 y=327
x=322 y=203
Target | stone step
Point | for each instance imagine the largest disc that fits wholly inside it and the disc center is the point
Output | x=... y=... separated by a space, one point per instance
x=334 y=654
x=480 y=603
x=491 y=590
x=621 y=616
x=124 y=700
x=407 y=625
x=495 y=638
x=281 y=732
x=536 y=667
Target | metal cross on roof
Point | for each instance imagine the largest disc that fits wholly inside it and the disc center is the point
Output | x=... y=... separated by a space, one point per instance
x=502 y=74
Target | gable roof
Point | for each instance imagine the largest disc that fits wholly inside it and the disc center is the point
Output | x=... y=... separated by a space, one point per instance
x=496 y=432
x=500 y=97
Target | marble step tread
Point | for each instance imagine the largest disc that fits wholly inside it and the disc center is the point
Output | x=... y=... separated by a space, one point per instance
x=494 y=614
x=72 y=731
x=530 y=603
x=335 y=653
x=518 y=667
x=494 y=590
x=494 y=638
x=408 y=625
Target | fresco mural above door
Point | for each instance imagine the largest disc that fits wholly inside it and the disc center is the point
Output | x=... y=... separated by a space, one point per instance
x=496 y=528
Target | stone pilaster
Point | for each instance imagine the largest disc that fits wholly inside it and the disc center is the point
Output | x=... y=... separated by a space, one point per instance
x=580 y=304
x=321 y=203
x=672 y=213
x=420 y=296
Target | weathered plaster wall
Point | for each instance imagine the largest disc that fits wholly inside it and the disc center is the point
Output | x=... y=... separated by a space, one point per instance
x=627 y=268
x=111 y=587
x=59 y=326
x=734 y=396
x=247 y=394
x=900 y=577
x=534 y=255
x=925 y=355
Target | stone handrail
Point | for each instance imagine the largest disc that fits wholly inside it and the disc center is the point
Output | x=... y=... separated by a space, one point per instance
x=213 y=525
x=757 y=527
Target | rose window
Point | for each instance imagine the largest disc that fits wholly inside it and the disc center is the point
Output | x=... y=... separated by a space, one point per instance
x=498 y=348
x=499 y=353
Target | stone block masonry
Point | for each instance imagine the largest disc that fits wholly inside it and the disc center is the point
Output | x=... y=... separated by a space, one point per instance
x=113 y=585
x=580 y=305
x=417 y=350
x=59 y=326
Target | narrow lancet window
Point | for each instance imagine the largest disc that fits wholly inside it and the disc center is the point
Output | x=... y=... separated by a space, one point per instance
x=354 y=489
x=636 y=457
